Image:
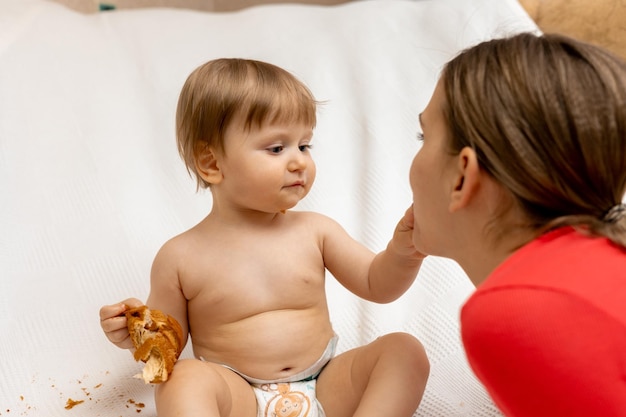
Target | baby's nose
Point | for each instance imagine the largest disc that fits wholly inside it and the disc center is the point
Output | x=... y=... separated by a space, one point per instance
x=297 y=161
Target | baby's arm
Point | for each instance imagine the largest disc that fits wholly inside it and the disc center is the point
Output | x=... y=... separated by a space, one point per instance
x=381 y=277
x=165 y=295
x=113 y=322
x=393 y=270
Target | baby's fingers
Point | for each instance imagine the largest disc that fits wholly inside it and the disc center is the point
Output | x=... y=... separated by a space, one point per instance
x=115 y=310
x=114 y=324
x=116 y=331
x=120 y=338
x=407 y=221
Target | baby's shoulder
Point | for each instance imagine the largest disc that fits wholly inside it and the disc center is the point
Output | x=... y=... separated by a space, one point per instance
x=318 y=224
x=312 y=218
x=177 y=245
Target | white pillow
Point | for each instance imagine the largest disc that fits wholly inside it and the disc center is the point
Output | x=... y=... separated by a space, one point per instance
x=92 y=184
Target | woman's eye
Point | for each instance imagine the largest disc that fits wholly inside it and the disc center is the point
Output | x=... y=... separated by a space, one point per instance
x=420 y=136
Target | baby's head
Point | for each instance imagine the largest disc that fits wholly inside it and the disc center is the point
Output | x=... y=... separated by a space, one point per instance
x=228 y=90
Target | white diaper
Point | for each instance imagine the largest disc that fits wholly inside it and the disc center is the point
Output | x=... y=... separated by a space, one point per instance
x=293 y=396
x=287 y=399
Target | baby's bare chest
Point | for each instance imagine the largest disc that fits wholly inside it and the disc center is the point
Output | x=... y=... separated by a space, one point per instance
x=258 y=276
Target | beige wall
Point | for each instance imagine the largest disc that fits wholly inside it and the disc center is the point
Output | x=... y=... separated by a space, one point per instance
x=92 y=6
x=599 y=21
x=602 y=22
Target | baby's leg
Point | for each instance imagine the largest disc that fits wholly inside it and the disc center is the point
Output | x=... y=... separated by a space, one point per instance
x=384 y=378
x=198 y=388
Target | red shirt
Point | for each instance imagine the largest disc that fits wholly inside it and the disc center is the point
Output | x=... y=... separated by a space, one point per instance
x=546 y=331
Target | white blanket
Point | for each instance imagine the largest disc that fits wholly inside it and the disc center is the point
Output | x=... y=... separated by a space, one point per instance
x=91 y=184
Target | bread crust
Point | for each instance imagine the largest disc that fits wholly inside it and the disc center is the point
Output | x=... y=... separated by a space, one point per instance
x=157 y=338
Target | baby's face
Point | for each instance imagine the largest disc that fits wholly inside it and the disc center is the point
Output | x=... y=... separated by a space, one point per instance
x=267 y=168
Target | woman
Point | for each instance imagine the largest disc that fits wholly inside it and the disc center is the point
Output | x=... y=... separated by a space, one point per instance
x=520 y=180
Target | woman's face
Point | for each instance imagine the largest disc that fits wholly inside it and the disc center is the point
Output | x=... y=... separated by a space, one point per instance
x=431 y=179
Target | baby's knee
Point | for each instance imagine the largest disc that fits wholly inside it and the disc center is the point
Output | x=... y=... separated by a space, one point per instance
x=188 y=368
x=194 y=383
x=190 y=374
x=407 y=349
x=401 y=341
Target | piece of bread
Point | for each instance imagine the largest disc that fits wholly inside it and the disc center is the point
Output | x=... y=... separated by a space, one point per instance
x=158 y=340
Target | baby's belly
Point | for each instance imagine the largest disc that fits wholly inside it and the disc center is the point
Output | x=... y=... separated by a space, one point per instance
x=269 y=346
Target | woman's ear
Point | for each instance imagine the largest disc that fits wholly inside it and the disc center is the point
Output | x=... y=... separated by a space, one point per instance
x=466 y=180
x=207 y=165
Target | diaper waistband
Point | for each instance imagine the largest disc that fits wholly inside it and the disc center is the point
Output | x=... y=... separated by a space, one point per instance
x=308 y=374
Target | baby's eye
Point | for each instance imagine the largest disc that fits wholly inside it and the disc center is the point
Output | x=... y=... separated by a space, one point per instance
x=304 y=148
x=276 y=149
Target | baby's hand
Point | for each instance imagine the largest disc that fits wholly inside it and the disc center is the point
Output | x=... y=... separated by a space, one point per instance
x=403 y=236
x=113 y=322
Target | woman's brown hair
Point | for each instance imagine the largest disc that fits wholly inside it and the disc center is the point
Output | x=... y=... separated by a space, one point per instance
x=546 y=115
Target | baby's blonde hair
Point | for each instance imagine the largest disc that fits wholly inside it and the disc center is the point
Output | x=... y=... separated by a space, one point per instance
x=223 y=90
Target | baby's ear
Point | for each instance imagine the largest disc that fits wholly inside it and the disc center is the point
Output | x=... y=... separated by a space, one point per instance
x=467 y=179
x=207 y=165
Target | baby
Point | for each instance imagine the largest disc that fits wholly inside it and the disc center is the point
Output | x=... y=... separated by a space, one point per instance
x=247 y=282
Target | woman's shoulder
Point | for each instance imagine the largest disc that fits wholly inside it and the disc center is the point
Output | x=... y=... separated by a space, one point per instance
x=561 y=257
x=534 y=348
x=559 y=266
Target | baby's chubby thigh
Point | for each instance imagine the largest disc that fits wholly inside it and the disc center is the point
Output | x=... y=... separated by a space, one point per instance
x=385 y=377
x=198 y=388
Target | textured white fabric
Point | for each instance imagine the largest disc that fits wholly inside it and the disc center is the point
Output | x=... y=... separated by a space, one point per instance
x=91 y=184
